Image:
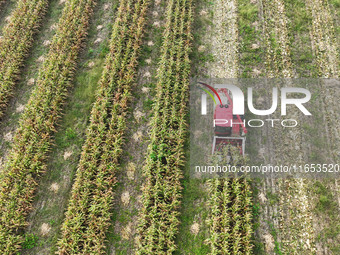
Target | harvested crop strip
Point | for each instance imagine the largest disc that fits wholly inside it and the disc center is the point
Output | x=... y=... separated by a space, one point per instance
x=89 y=210
x=224 y=40
x=16 y=42
x=294 y=222
x=326 y=51
x=32 y=142
x=299 y=26
x=165 y=158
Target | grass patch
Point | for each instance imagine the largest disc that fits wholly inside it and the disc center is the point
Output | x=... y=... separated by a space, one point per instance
x=326 y=202
x=30 y=242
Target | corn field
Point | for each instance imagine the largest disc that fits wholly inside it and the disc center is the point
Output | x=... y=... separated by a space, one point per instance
x=96 y=135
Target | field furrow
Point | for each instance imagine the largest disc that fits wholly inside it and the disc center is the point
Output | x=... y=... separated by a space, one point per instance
x=89 y=210
x=16 y=40
x=158 y=223
x=32 y=141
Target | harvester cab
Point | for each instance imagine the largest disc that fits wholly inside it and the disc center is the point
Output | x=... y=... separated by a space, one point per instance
x=228 y=128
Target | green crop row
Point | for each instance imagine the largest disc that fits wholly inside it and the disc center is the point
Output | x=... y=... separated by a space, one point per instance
x=89 y=211
x=16 y=42
x=33 y=139
x=166 y=157
x=230 y=216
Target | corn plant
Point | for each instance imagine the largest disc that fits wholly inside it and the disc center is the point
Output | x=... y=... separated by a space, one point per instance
x=33 y=138
x=16 y=42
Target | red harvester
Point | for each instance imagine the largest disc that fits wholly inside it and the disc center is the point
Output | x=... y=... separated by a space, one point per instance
x=228 y=128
